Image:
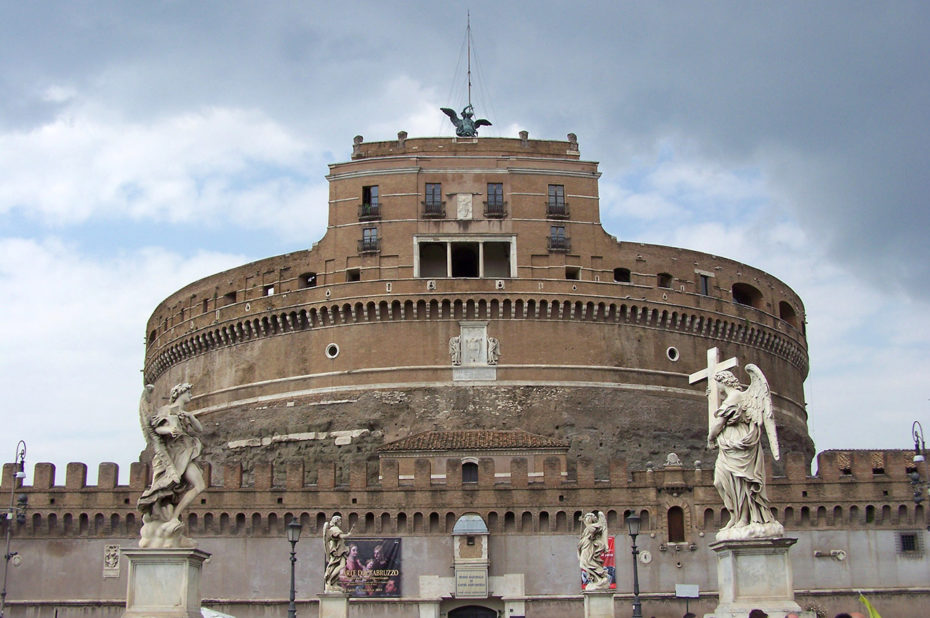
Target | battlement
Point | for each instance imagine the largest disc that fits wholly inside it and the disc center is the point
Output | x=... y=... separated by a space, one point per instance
x=852 y=488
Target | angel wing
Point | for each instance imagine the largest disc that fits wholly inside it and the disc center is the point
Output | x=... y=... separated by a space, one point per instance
x=451 y=113
x=481 y=122
x=759 y=406
x=326 y=533
x=161 y=460
x=602 y=530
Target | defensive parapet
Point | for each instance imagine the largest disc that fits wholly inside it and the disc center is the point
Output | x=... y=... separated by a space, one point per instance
x=853 y=489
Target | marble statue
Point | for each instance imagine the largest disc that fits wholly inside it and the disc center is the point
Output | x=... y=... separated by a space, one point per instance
x=494 y=350
x=176 y=478
x=465 y=126
x=336 y=553
x=455 y=350
x=592 y=551
x=739 y=473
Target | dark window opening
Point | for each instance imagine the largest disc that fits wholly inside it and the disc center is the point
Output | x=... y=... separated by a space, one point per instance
x=229 y=299
x=497 y=259
x=152 y=336
x=704 y=285
x=786 y=312
x=622 y=275
x=572 y=272
x=306 y=280
x=676 y=525
x=664 y=280
x=556 y=206
x=745 y=294
x=371 y=206
x=432 y=259
x=206 y=305
x=465 y=260
x=353 y=274
x=469 y=472
x=268 y=290
x=908 y=542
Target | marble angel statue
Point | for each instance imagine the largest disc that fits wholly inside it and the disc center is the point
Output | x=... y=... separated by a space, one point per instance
x=739 y=473
x=171 y=433
x=592 y=551
x=336 y=554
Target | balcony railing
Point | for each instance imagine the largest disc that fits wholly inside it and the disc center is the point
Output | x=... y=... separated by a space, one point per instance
x=434 y=210
x=495 y=210
x=557 y=210
x=369 y=245
x=559 y=243
x=368 y=212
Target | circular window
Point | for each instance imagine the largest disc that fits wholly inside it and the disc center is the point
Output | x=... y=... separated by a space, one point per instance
x=332 y=350
x=672 y=354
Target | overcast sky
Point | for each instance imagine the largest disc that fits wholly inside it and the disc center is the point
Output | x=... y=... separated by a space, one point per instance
x=144 y=145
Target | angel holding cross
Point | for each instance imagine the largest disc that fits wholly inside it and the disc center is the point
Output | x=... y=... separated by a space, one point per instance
x=736 y=426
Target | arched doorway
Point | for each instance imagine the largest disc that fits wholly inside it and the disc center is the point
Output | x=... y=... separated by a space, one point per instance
x=472 y=611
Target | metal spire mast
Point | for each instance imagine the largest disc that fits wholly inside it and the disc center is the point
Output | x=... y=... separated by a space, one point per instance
x=468 y=39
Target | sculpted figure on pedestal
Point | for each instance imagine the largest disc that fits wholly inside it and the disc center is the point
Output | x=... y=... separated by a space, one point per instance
x=176 y=478
x=336 y=554
x=592 y=551
x=739 y=473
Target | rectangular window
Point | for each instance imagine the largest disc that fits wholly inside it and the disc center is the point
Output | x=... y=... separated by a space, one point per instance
x=371 y=205
x=432 y=202
x=557 y=240
x=704 y=285
x=433 y=194
x=268 y=290
x=494 y=206
x=369 y=241
x=556 y=206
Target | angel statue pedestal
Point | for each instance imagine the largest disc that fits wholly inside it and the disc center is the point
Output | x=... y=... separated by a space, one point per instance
x=755 y=574
x=334 y=605
x=598 y=603
x=164 y=583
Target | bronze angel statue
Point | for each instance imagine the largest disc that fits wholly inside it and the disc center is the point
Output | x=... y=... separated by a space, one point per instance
x=171 y=433
x=592 y=551
x=465 y=126
x=739 y=473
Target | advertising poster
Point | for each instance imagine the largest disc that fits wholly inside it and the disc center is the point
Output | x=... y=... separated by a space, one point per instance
x=609 y=563
x=372 y=567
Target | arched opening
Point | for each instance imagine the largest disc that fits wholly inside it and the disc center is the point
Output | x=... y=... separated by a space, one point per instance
x=745 y=294
x=472 y=611
x=469 y=472
x=676 y=525
x=786 y=312
x=306 y=280
x=622 y=275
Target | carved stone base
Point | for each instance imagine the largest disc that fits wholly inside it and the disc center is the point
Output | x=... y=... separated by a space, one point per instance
x=164 y=583
x=334 y=605
x=755 y=574
x=598 y=603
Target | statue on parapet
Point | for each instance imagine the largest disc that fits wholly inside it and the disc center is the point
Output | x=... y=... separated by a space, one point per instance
x=336 y=554
x=171 y=433
x=466 y=126
x=739 y=473
x=592 y=551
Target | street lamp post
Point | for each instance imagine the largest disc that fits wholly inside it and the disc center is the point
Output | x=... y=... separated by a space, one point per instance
x=920 y=447
x=293 y=535
x=19 y=472
x=633 y=522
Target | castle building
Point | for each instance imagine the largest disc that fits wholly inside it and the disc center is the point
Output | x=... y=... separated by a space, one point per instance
x=461 y=367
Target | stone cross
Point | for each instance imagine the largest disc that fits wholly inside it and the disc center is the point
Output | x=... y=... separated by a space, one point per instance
x=713 y=366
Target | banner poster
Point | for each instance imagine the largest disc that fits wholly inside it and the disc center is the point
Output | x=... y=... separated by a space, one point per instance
x=609 y=563
x=372 y=567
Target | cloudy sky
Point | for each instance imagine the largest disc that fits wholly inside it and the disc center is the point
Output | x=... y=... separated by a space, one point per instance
x=144 y=145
